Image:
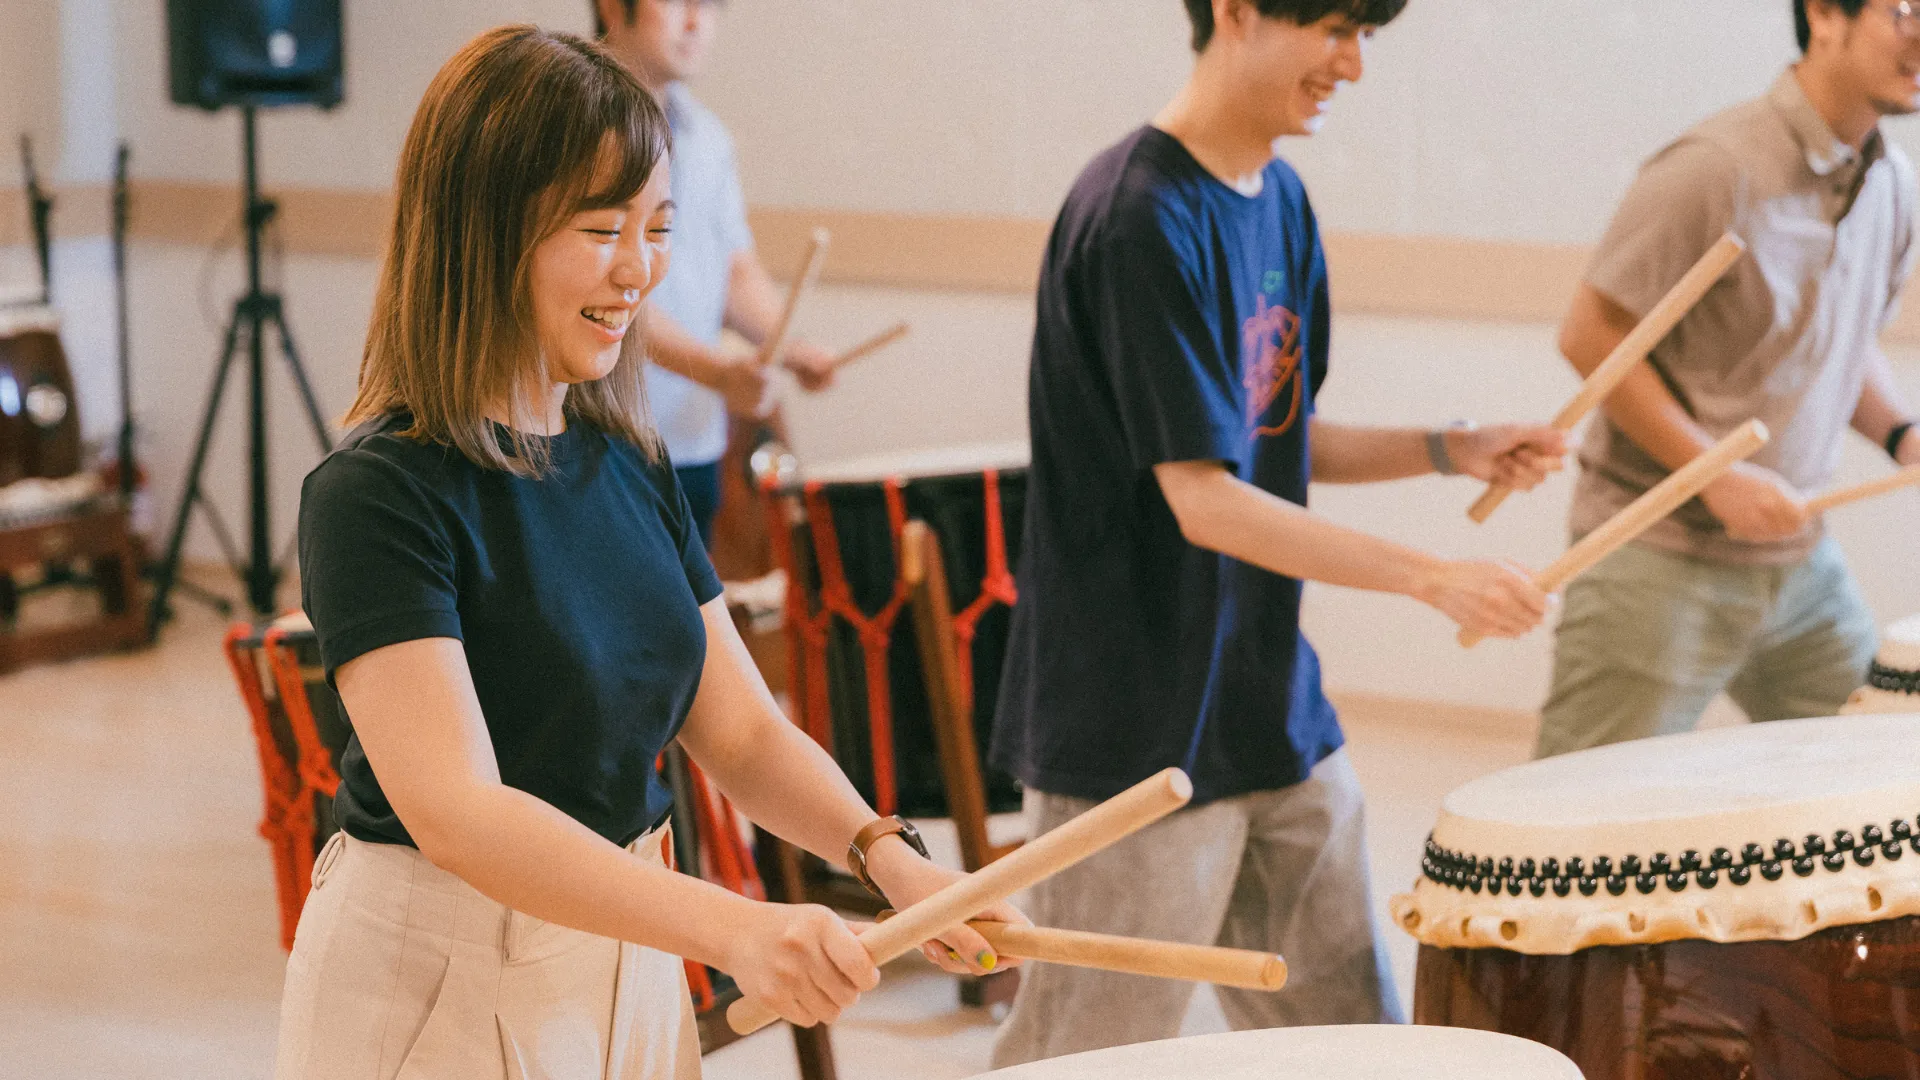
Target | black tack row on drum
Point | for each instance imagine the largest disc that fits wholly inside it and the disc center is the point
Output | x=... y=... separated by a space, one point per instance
x=1893 y=680
x=1472 y=873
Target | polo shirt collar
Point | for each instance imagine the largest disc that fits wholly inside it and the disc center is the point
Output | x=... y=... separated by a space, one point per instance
x=1825 y=153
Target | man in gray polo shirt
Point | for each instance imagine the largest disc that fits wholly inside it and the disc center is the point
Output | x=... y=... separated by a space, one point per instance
x=1741 y=590
x=716 y=281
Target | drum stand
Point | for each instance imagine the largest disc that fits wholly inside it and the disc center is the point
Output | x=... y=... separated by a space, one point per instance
x=252 y=314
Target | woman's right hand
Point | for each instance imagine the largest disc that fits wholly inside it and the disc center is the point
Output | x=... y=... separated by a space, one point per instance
x=1491 y=598
x=802 y=961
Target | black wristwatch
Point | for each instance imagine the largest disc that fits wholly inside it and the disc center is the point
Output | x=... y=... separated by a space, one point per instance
x=867 y=837
x=1897 y=436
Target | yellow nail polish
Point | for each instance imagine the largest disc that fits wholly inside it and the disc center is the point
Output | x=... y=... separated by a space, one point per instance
x=986 y=959
x=954 y=956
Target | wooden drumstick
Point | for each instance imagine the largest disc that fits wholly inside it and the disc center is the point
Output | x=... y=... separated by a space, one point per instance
x=872 y=345
x=1646 y=511
x=1243 y=968
x=809 y=270
x=1124 y=814
x=1632 y=350
x=1907 y=477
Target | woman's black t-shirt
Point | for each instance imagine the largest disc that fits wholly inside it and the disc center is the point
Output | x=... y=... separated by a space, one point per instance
x=576 y=598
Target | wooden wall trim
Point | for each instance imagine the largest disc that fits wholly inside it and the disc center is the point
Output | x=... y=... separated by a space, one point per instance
x=1437 y=277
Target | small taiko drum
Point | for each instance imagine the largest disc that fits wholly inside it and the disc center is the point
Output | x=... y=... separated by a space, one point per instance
x=857 y=676
x=1360 y=1052
x=1893 y=680
x=39 y=426
x=1737 y=904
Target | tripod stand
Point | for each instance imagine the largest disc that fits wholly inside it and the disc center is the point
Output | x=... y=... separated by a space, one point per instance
x=252 y=314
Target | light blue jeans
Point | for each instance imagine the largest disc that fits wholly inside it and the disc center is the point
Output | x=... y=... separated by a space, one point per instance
x=1648 y=638
x=1274 y=871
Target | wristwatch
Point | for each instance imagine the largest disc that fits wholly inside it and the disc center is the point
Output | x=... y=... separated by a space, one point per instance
x=866 y=837
x=1437 y=447
x=1897 y=436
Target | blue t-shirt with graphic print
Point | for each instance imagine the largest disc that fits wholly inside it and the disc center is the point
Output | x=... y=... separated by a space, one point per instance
x=1179 y=320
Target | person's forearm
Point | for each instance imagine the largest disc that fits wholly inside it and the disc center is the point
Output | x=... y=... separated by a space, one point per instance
x=1642 y=406
x=1882 y=403
x=754 y=302
x=679 y=352
x=1220 y=512
x=1361 y=455
x=528 y=855
x=1648 y=413
x=778 y=776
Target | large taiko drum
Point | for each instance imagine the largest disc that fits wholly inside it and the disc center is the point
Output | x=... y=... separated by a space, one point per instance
x=1738 y=904
x=39 y=427
x=858 y=682
x=1360 y=1052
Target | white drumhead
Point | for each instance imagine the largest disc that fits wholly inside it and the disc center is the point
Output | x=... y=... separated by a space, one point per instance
x=1900 y=645
x=1361 y=1052
x=931 y=461
x=1698 y=790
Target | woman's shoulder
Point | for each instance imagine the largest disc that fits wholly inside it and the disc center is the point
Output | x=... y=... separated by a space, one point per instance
x=377 y=456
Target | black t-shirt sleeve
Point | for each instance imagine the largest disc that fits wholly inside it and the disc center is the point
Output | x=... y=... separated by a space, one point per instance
x=1157 y=315
x=376 y=567
x=693 y=554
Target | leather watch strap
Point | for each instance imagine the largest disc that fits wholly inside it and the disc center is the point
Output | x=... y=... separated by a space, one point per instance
x=864 y=840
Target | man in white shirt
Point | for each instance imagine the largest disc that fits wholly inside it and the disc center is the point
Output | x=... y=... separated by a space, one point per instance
x=716 y=281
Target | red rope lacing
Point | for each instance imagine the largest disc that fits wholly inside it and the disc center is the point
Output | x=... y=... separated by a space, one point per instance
x=287 y=823
x=807 y=629
x=316 y=764
x=996 y=587
x=725 y=852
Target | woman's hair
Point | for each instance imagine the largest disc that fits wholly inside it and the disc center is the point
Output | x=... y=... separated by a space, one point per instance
x=518 y=132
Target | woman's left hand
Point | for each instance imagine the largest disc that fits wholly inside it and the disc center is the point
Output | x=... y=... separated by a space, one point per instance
x=907 y=879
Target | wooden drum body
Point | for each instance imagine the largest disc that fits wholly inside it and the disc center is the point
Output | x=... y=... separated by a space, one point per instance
x=1741 y=904
x=859 y=687
x=39 y=426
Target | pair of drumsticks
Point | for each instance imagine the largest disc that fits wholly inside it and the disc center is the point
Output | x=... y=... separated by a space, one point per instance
x=1040 y=858
x=1668 y=495
x=810 y=266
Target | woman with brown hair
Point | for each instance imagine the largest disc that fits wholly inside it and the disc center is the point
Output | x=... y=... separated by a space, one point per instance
x=518 y=615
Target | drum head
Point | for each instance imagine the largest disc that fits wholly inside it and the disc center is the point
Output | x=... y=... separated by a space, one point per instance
x=914 y=464
x=1361 y=1052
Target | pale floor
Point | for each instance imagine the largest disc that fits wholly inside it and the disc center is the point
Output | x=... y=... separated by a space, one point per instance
x=137 y=916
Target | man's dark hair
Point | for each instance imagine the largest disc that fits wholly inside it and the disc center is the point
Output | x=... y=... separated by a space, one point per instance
x=1303 y=13
x=1803 y=31
x=600 y=24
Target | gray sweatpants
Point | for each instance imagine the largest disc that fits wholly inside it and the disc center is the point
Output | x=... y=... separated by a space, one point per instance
x=1278 y=871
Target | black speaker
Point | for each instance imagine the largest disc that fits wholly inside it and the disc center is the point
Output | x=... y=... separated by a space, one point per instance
x=255 y=52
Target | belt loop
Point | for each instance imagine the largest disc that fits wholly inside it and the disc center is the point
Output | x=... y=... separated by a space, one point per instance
x=329 y=855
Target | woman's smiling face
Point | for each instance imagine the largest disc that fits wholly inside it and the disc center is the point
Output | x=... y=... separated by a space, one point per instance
x=589 y=279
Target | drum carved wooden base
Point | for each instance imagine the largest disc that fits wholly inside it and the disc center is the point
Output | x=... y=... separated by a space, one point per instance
x=1842 y=1004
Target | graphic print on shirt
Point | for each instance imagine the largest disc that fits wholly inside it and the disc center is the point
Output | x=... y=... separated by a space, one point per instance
x=1270 y=356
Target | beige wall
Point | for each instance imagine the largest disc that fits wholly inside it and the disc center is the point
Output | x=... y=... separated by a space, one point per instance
x=1490 y=120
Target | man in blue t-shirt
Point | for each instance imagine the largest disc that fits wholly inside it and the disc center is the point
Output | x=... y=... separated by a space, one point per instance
x=716 y=280
x=1181 y=339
